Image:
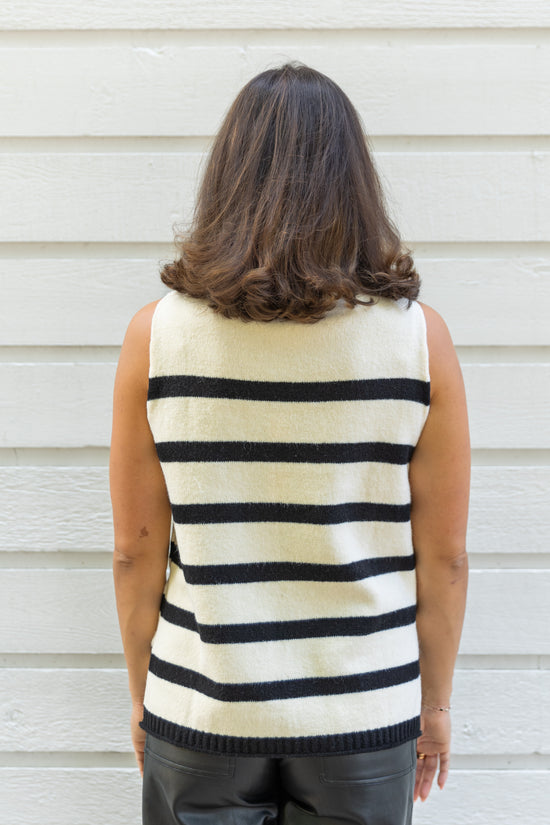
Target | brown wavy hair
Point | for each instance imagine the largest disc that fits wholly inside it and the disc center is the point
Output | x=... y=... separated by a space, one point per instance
x=290 y=215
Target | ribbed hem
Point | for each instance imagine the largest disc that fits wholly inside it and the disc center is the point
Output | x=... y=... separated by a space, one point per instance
x=340 y=743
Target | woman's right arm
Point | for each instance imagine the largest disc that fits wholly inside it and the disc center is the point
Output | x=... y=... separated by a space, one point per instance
x=439 y=475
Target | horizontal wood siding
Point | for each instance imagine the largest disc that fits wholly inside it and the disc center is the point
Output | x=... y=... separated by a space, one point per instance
x=507 y=612
x=82 y=301
x=509 y=511
x=87 y=711
x=68 y=404
x=106 y=118
x=137 y=197
x=134 y=90
x=218 y=15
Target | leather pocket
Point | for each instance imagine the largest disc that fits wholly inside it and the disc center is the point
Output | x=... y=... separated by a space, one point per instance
x=371 y=767
x=188 y=761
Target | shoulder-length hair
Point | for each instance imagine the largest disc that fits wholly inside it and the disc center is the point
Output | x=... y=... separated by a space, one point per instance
x=290 y=215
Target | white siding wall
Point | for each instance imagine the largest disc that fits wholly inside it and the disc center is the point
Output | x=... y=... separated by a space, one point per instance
x=105 y=109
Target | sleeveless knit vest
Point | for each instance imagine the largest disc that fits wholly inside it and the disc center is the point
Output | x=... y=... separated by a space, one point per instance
x=287 y=624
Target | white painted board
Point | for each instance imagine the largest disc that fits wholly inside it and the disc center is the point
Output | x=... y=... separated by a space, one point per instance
x=52 y=508
x=74 y=301
x=69 y=404
x=490 y=301
x=73 y=611
x=184 y=85
x=55 y=509
x=139 y=197
x=509 y=510
x=89 y=301
x=271 y=14
x=88 y=710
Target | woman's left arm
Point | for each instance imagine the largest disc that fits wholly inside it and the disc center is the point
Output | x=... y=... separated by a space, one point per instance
x=141 y=514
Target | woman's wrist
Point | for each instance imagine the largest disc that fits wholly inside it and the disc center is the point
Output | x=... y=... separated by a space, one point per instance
x=435 y=708
x=440 y=697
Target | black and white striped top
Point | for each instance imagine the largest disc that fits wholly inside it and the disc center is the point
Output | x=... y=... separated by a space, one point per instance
x=287 y=624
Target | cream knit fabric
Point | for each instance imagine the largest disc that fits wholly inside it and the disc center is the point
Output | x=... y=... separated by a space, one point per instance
x=287 y=624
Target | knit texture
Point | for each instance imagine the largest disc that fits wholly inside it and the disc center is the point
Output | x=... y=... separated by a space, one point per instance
x=287 y=624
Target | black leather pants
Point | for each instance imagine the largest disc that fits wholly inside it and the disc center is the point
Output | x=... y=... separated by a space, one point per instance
x=184 y=786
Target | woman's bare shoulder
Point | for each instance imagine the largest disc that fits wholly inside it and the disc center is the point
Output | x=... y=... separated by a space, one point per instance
x=139 y=328
x=443 y=361
x=134 y=355
x=141 y=321
x=436 y=327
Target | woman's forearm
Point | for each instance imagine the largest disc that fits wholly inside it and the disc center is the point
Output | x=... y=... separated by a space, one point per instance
x=441 y=603
x=139 y=584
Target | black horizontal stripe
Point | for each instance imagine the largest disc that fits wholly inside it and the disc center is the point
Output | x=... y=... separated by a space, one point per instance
x=175 y=553
x=370 y=389
x=284 y=688
x=182 y=618
x=296 y=513
x=372 y=739
x=289 y=629
x=294 y=571
x=323 y=453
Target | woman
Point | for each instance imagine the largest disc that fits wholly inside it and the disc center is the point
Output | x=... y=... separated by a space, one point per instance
x=290 y=428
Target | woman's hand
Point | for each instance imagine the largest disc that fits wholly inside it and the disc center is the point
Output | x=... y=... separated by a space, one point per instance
x=138 y=734
x=435 y=742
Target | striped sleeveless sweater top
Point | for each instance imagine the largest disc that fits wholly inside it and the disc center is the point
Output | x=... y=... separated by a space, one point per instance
x=287 y=623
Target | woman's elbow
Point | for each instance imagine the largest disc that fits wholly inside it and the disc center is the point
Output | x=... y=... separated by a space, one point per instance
x=452 y=563
x=125 y=555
